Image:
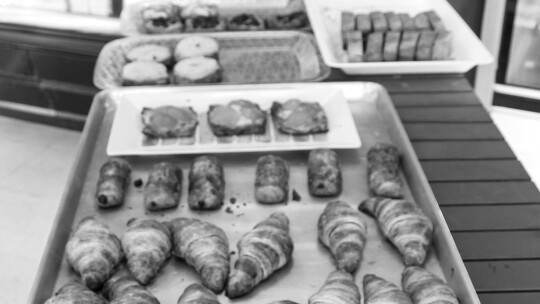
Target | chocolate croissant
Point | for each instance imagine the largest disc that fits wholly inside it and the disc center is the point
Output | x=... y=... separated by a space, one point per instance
x=324 y=173
x=93 y=251
x=163 y=188
x=114 y=176
x=379 y=291
x=205 y=247
x=426 y=288
x=73 y=293
x=262 y=251
x=206 y=183
x=147 y=245
x=339 y=288
x=198 y=294
x=122 y=288
x=343 y=230
x=404 y=224
x=383 y=171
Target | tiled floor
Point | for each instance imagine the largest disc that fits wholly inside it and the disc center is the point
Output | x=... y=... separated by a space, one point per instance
x=36 y=159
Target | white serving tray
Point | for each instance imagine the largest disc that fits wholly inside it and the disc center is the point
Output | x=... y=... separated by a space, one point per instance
x=126 y=137
x=325 y=17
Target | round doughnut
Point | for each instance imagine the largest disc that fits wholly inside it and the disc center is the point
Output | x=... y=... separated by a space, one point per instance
x=144 y=73
x=196 y=46
x=197 y=70
x=150 y=52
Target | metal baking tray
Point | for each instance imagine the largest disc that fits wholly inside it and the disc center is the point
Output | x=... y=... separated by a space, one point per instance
x=130 y=19
x=245 y=57
x=376 y=120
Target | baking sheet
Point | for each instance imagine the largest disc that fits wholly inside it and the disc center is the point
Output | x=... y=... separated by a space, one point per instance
x=325 y=17
x=376 y=120
x=245 y=57
x=126 y=137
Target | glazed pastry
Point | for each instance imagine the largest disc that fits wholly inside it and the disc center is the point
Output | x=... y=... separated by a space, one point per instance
x=391 y=46
x=202 y=18
x=75 y=293
x=426 y=288
x=424 y=49
x=295 y=20
x=394 y=22
x=161 y=17
x=296 y=117
x=262 y=251
x=169 y=122
x=196 y=46
x=93 y=251
x=238 y=117
x=374 y=47
x=383 y=171
x=147 y=245
x=380 y=291
x=379 y=22
x=206 y=183
x=421 y=22
x=163 y=188
x=197 y=70
x=339 y=288
x=324 y=173
x=139 y=73
x=407 y=22
x=150 y=52
x=343 y=230
x=122 y=288
x=245 y=22
x=404 y=224
x=114 y=177
x=271 y=180
x=198 y=294
x=407 y=47
x=205 y=247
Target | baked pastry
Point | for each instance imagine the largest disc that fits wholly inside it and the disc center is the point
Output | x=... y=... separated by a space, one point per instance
x=206 y=183
x=343 y=230
x=379 y=291
x=404 y=225
x=202 y=18
x=114 y=177
x=339 y=288
x=348 y=23
x=169 y=122
x=283 y=302
x=407 y=22
x=442 y=48
x=161 y=17
x=363 y=23
x=394 y=22
x=197 y=70
x=196 y=293
x=122 y=288
x=424 y=49
x=147 y=245
x=196 y=46
x=205 y=247
x=407 y=47
x=245 y=22
x=238 y=117
x=374 y=47
x=324 y=173
x=354 y=46
x=297 y=117
x=383 y=171
x=163 y=188
x=379 y=22
x=144 y=73
x=93 y=251
x=271 y=180
x=435 y=21
x=261 y=252
x=421 y=22
x=391 y=46
x=294 y=20
x=425 y=287
x=150 y=52
x=74 y=292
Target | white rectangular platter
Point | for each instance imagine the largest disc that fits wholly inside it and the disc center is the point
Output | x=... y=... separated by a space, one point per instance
x=126 y=137
x=325 y=17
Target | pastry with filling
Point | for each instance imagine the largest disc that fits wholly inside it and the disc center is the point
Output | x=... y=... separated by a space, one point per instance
x=144 y=73
x=150 y=52
x=197 y=70
x=169 y=122
x=297 y=117
x=245 y=22
x=196 y=46
x=202 y=18
x=161 y=17
x=296 y=20
x=238 y=117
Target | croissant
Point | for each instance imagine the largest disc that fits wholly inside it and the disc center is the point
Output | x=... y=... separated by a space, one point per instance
x=122 y=288
x=383 y=171
x=113 y=180
x=262 y=251
x=425 y=288
x=404 y=224
x=204 y=246
x=93 y=251
x=379 y=291
x=206 y=183
x=147 y=245
x=198 y=294
x=343 y=230
x=163 y=188
x=283 y=302
x=324 y=173
x=75 y=293
x=339 y=288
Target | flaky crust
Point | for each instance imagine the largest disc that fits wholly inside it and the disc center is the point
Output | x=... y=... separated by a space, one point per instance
x=379 y=291
x=339 y=288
